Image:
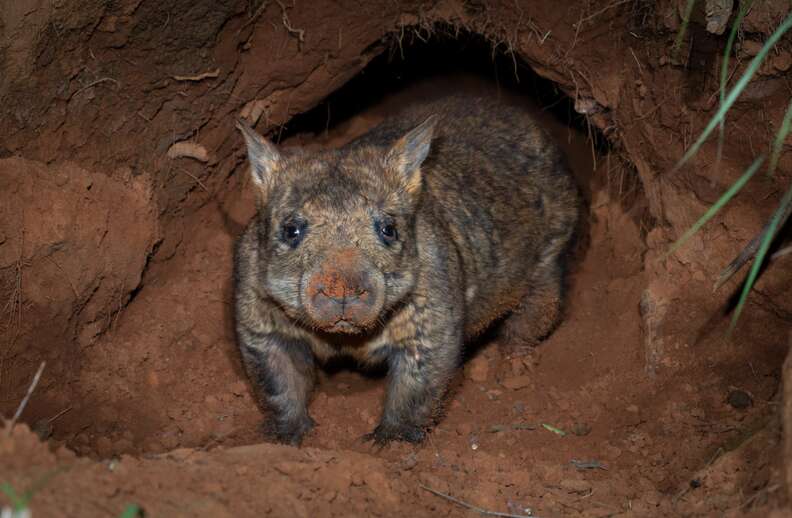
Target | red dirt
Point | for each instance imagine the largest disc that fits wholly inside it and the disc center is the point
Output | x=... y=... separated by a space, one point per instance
x=115 y=262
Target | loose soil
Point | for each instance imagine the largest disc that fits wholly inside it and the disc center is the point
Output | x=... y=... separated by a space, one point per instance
x=115 y=266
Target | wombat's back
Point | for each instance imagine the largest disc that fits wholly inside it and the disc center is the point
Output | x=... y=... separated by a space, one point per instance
x=498 y=187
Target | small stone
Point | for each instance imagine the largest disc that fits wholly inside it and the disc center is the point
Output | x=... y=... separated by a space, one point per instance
x=750 y=47
x=63 y=453
x=517 y=382
x=740 y=399
x=238 y=388
x=581 y=429
x=123 y=445
x=575 y=486
x=782 y=62
x=633 y=408
x=409 y=462
x=170 y=440
x=494 y=394
x=477 y=369
x=104 y=447
x=464 y=429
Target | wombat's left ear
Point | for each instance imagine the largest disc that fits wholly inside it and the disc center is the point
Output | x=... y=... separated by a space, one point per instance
x=263 y=155
x=409 y=152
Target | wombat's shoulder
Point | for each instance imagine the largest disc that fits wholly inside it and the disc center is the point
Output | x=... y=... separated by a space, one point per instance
x=461 y=118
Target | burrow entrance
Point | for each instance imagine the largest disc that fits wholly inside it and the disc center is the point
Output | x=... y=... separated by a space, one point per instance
x=145 y=393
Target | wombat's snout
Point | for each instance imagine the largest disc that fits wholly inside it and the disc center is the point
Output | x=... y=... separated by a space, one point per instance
x=342 y=294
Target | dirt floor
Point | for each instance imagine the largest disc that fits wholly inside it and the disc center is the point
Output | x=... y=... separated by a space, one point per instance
x=116 y=257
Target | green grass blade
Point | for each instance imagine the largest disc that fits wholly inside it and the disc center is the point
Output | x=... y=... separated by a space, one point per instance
x=721 y=139
x=683 y=27
x=19 y=503
x=131 y=511
x=724 y=72
x=780 y=137
x=737 y=90
x=715 y=207
x=775 y=223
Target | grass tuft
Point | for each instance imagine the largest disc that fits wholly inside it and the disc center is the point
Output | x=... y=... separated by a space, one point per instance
x=683 y=28
x=736 y=91
x=766 y=236
x=778 y=143
x=724 y=71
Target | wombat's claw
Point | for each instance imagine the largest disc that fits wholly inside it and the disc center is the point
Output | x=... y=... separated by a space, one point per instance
x=382 y=435
x=376 y=444
x=291 y=432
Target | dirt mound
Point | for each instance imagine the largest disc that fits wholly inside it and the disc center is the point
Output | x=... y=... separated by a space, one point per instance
x=74 y=245
x=123 y=186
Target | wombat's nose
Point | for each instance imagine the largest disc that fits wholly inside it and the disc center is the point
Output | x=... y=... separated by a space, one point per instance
x=340 y=293
x=340 y=289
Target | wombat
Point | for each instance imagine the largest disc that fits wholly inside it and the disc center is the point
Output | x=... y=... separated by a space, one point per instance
x=396 y=248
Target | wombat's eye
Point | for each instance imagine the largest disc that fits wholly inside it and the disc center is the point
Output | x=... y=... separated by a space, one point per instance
x=293 y=232
x=387 y=231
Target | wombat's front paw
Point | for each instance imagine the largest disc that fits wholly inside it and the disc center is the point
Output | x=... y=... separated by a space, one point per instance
x=383 y=434
x=289 y=432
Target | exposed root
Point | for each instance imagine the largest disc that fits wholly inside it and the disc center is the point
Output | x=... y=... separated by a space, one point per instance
x=24 y=402
x=472 y=507
x=14 y=308
x=197 y=180
x=92 y=84
x=299 y=33
x=199 y=77
x=188 y=150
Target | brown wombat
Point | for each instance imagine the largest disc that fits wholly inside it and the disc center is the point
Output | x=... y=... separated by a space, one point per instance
x=397 y=248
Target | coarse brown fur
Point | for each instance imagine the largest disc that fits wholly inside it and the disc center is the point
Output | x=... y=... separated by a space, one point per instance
x=396 y=248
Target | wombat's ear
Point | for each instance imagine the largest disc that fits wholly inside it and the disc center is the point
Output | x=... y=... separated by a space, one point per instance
x=409 y=152
x=263 y=155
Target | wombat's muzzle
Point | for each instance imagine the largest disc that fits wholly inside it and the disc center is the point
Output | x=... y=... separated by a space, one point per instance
x=344 y=294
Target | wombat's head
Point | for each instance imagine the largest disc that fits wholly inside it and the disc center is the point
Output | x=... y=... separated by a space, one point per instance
x=337 y=228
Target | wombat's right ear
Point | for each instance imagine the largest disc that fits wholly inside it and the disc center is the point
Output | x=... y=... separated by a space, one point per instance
x=409 y=152
x=263 y=155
